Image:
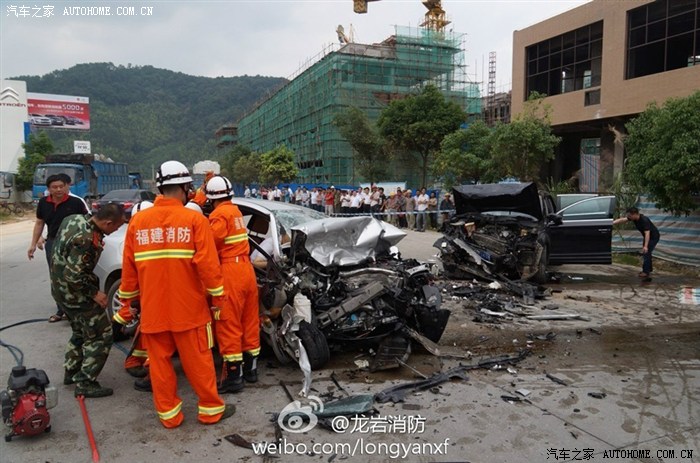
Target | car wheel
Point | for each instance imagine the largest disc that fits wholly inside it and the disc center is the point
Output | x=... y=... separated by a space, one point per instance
x=113 y=305
x=315 y=344
x=113 y=302
x=541 y=275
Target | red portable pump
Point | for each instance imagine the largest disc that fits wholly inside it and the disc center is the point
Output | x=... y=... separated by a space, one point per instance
x=26 y=401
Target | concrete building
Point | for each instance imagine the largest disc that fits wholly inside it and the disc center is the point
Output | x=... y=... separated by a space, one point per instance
x=601 y=64
x=368 y=76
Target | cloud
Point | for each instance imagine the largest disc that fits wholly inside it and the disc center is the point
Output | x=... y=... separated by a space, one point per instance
x=214 y=38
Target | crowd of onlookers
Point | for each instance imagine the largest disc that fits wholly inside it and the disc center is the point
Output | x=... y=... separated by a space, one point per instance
x=401 y=208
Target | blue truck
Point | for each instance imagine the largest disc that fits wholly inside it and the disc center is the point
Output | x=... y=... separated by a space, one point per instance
x=92 y=177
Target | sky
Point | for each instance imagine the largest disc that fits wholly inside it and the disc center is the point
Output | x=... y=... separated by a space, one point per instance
x=244 y=37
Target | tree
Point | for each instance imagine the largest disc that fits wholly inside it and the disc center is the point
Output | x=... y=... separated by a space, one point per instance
x=230 y=159
x=419 y=123
x=521 y=148
x=370 y=157
x=663 y=153
x=35 y=151
x=465 y=155
x=278 y=166
x=246 y=169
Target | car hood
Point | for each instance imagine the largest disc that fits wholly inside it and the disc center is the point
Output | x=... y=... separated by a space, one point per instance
x=514 y=197
x=345 y=241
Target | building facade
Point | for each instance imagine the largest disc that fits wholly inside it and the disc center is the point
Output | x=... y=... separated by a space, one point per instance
x=300 y=115
x=600 y=65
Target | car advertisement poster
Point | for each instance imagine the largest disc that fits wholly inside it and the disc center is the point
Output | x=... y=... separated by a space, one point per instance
x=58 y=111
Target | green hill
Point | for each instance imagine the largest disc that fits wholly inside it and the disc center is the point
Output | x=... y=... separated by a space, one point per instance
x=145 y=115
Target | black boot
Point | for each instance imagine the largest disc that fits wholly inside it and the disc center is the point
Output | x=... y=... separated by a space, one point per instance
x=250 y=367
x=232 y=379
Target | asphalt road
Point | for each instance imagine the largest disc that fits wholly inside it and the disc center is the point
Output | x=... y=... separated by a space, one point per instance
x=640 y=348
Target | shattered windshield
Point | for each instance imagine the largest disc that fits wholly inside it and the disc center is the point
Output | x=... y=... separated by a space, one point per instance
x=289 y=218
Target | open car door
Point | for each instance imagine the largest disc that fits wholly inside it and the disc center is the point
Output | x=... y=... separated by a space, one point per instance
x=582 y=232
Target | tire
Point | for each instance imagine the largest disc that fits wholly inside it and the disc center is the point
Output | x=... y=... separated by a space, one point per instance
x=113 y=303
x=540 y=276
x=315 y=344
x=113 y=306
x=19 y=211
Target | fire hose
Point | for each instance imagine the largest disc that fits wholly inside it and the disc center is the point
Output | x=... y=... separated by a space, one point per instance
x=88 y=428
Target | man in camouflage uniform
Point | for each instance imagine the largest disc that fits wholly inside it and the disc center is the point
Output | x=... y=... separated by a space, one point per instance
x=75 y=287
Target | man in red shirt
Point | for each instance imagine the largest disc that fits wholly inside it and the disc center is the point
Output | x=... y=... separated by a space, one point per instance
x=50 y=212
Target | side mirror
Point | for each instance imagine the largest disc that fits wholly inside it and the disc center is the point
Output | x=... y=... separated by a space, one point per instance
x=555 y=219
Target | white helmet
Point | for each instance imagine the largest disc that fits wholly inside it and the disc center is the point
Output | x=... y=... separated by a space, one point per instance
x=194 y=206
x=172 y=173
x=141 y=206
x=218 y=187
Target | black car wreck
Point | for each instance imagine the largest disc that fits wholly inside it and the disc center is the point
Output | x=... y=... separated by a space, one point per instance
x=513 y=231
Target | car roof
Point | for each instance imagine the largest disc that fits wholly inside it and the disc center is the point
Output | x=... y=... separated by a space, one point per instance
x=267 y=204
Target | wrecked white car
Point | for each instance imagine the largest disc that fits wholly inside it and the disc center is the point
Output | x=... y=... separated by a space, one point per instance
x=337 y=285
x=513 y=231
x=344 y=286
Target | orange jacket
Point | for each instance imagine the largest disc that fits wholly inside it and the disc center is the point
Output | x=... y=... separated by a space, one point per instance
x=200 y=196
x=170 y=263
x=230 y=234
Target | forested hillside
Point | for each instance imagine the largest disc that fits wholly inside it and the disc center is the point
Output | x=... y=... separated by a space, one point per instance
x=144 y=115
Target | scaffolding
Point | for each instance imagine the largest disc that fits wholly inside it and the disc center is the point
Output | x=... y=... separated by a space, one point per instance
x=300 y=114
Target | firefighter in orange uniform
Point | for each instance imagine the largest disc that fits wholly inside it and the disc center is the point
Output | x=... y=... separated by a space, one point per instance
x=135 y=363
x=200 y=197
x=237 y=326
x=170 y=264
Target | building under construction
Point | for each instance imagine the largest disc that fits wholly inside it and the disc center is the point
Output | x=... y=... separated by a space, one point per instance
x=300 y=115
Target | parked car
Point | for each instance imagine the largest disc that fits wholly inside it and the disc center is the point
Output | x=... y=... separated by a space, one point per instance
x=336 y=284
x=514 y=231
x=55 y=120
x=127 y=198
x=38 y=119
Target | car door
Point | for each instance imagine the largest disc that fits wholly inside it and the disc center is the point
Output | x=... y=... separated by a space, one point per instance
x=582 y=232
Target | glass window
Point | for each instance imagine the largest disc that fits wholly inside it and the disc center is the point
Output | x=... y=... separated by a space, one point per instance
x=562 y=61
x=592 y=98
x=662 y=36
x=590 y=208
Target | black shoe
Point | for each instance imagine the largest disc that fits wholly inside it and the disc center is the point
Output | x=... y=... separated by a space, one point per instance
x=137 y=372
x=143 y=384
x=250 y=367
x=228 y=412
x=68 y=377
x=92 y=389
x=232 y=380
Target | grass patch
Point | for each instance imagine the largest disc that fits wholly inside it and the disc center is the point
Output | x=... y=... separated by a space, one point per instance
x=635 y=260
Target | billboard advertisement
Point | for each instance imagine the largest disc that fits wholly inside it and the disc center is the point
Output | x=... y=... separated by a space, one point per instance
x=61 y=112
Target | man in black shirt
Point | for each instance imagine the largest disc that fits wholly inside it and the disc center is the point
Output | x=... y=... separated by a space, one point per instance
x=50 y=212
x=650 y=237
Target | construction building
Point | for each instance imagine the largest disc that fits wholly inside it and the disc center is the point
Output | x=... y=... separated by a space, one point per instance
x=600 y=65
x=300 y=115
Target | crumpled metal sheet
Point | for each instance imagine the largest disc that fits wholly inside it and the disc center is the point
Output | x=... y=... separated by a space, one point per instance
x=348 y=241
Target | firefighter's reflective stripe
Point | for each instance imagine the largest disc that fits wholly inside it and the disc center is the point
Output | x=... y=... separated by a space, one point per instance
x=140 y=353
x=127 y=294
x=170 y=414
x=210 y=336
x=118 y=318
x=254 y=352
x=233 y=357
x=211 y=410
x=236 y=238
x=164 y=254
x=216 y=291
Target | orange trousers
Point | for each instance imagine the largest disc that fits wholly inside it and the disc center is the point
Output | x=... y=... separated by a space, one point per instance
x=194 y=347
x=238 y=327
x=139 y=356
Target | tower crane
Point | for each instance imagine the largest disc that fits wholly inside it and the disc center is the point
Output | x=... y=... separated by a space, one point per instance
x=434 y=18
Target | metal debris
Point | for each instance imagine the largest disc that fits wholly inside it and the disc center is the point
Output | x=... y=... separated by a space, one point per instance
x=556 y=380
